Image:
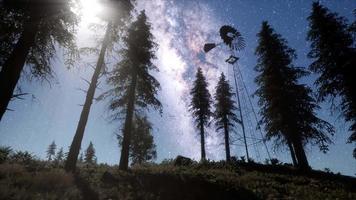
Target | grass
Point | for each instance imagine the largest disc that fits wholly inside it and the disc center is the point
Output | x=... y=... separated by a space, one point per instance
x=216 y=180
x=36 y=179
x=17 y=182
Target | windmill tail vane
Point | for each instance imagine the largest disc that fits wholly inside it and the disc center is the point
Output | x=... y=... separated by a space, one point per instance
x=209 y=46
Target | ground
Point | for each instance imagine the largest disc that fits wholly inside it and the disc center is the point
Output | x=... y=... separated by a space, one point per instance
x=35 y=179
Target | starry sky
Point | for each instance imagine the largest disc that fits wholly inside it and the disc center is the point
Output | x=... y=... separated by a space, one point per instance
x=180 y=29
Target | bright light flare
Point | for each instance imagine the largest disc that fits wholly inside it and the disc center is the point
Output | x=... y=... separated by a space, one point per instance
x=89 y=11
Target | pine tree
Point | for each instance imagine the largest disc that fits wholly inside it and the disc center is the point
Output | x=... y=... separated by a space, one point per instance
x=287 y=108
x=224 y=115
x=133 y=86
x=200 y=106
x=116 y=13
x=89 y=157
x=352 y=29
x=81 y=159
x=142 y=148
x=51 y=151
x=334 y=59
x=30 y=32
x=59 y=156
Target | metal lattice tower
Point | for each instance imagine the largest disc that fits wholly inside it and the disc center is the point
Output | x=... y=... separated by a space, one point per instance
x=235 y=42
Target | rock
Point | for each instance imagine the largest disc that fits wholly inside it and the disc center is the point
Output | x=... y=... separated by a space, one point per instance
x=182 y=161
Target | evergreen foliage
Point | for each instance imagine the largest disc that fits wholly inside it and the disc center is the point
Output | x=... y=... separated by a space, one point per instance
x=287 y=107
x=334 y=59
x=59 y=156
x=81 y=158
x=134 y=88
x=200 y=106
x=224 y=115
x=142 y=148
x=51 y=151
x=5 y=153
x=352 y=29
x=30 y=32
x=89 y=157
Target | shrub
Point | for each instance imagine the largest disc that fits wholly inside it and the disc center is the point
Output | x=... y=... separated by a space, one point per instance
x=327 y=170
x=22 y=157
x=275 y=161
x=53 y=180
x=167 y=162
x=5 y=153
x=11 y=170
x=17 y=183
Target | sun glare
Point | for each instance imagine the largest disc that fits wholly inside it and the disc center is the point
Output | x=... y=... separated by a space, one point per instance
x=89 y=10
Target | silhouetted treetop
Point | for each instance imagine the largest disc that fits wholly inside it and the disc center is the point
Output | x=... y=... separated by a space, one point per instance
x=224 y=113
x=200 y=106
x=133 y=87
x=54 y=23
x=136 y=60
x=51 y=151
x=89 y=156
x=334 y=59
x=201 y=101
x=287 y=107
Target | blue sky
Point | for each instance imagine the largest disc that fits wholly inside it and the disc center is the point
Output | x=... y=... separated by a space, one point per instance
x=180 y=28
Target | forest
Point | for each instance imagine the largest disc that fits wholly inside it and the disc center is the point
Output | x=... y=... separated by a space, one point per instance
x=126 y=74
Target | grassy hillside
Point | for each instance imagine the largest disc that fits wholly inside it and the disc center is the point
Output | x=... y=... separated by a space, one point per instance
x=34 y=179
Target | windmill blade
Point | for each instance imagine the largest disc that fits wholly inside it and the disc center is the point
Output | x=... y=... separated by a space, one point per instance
x=232 y=37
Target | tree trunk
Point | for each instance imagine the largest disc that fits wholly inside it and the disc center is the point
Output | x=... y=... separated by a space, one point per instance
x=300 y=155
x=13 y=66
x=202 y=141
x=124 y=159
x=227 y=142
x=71 y=162
x=292 y=153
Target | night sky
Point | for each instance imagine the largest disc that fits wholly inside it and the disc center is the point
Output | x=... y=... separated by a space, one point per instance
x=181 y=28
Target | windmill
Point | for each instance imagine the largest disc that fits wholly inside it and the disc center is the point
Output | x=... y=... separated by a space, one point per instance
x=233 y=39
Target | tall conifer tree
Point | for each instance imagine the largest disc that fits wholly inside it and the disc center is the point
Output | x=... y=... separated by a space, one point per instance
x=200 y=106
x=51 y=151
x=134 y=87
x=224 y=115
x=89 y=156
x=287 y=108
x=334 y=54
